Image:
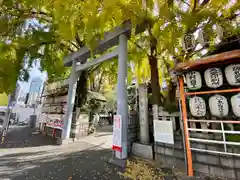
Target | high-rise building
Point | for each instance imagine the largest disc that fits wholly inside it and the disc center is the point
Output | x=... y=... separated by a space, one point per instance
x=35 y=90
x=17 y=91
x=36 y=85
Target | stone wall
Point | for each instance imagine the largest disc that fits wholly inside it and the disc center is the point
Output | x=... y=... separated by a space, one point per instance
x=203 y=162
x=80 y=124
x=133 y=129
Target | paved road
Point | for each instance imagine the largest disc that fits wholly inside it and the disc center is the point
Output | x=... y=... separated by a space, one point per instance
x=30 y=156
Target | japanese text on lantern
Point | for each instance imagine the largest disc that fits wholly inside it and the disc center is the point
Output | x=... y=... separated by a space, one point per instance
x=199 y=105
x=188 y=41
x=214 y=75
x=220 y=104
x=192 y=77
x=236 y=70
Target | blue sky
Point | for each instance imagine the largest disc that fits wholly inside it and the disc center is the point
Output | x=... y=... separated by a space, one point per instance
x=34 y=72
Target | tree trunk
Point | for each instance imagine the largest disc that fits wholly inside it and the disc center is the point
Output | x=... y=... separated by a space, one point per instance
x=154 y=80
x=81 y=90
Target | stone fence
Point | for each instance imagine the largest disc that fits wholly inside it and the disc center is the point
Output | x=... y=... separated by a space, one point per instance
x=203 y=162
x=218 y=165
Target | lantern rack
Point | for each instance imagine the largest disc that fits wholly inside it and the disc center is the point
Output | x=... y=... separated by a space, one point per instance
x=229 y=57
x=212 y=92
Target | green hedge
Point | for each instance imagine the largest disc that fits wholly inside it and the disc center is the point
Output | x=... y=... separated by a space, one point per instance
x=3 y=100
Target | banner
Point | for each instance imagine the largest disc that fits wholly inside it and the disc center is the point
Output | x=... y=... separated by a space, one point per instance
x=117 y=133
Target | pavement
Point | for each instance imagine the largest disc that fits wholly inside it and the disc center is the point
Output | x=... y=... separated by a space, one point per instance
x=26 y=155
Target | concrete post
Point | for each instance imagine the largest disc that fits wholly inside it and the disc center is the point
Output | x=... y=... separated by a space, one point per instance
x=122 y=105
x=143 y=114
x=155 y=110
x=70 y=102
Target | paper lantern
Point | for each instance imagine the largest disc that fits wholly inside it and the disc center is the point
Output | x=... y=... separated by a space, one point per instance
x=188 y=42
x=232 y=73
x=197 y=106
x=219 y=32
x=218 y=106
x=213 y=77
x=194 y=80
x=235 y=102
x=203 y=38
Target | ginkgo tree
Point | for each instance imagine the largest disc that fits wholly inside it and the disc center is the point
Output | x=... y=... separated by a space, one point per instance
x=49 y=30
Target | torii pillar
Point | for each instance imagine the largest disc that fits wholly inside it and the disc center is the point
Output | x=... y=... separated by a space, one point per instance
x=122 y=105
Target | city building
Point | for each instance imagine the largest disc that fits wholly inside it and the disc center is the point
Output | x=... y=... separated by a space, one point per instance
x=17 y=92
x=36 y=85
x=35 y=91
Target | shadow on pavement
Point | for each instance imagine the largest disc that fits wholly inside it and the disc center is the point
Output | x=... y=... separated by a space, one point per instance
x=88 y=164
x=22 y=136
x=103 y=134
x=105 y=128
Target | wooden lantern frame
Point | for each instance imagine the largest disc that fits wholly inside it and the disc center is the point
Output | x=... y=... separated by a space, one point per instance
x=229 y=57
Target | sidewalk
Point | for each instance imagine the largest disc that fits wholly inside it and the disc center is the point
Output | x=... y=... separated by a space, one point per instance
x=27 y=156
x=30 y=156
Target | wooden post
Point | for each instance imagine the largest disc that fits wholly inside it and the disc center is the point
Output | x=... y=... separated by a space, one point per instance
x=185 y=126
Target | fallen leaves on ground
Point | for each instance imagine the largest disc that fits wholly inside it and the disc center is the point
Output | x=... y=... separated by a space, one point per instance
x=137 y=169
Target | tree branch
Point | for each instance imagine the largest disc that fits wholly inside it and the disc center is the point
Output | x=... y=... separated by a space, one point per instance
x=139 y=46
x=72 y=43
x=80 y=43
x=186 y=3
x=94 y=68
x=194 y=5
x=68 y=48
x=204 y=3
x=100 y=82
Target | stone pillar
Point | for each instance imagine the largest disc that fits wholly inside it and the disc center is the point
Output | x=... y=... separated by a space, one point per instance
x=80 y=124
x=122 y=105
x=143 y=114
x=70 y=102
x=155 y=110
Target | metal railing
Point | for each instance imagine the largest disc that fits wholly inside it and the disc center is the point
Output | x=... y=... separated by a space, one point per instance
x=222 y=131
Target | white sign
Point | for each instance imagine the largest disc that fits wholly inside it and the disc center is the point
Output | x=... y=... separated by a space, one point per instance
x=117 y=133
x=163 y=131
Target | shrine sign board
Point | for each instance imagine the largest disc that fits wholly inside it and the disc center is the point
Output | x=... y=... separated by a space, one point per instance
x=163 y=131
x=117 y=133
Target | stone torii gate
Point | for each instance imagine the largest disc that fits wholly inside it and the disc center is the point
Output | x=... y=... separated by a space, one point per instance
x=118 y=36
